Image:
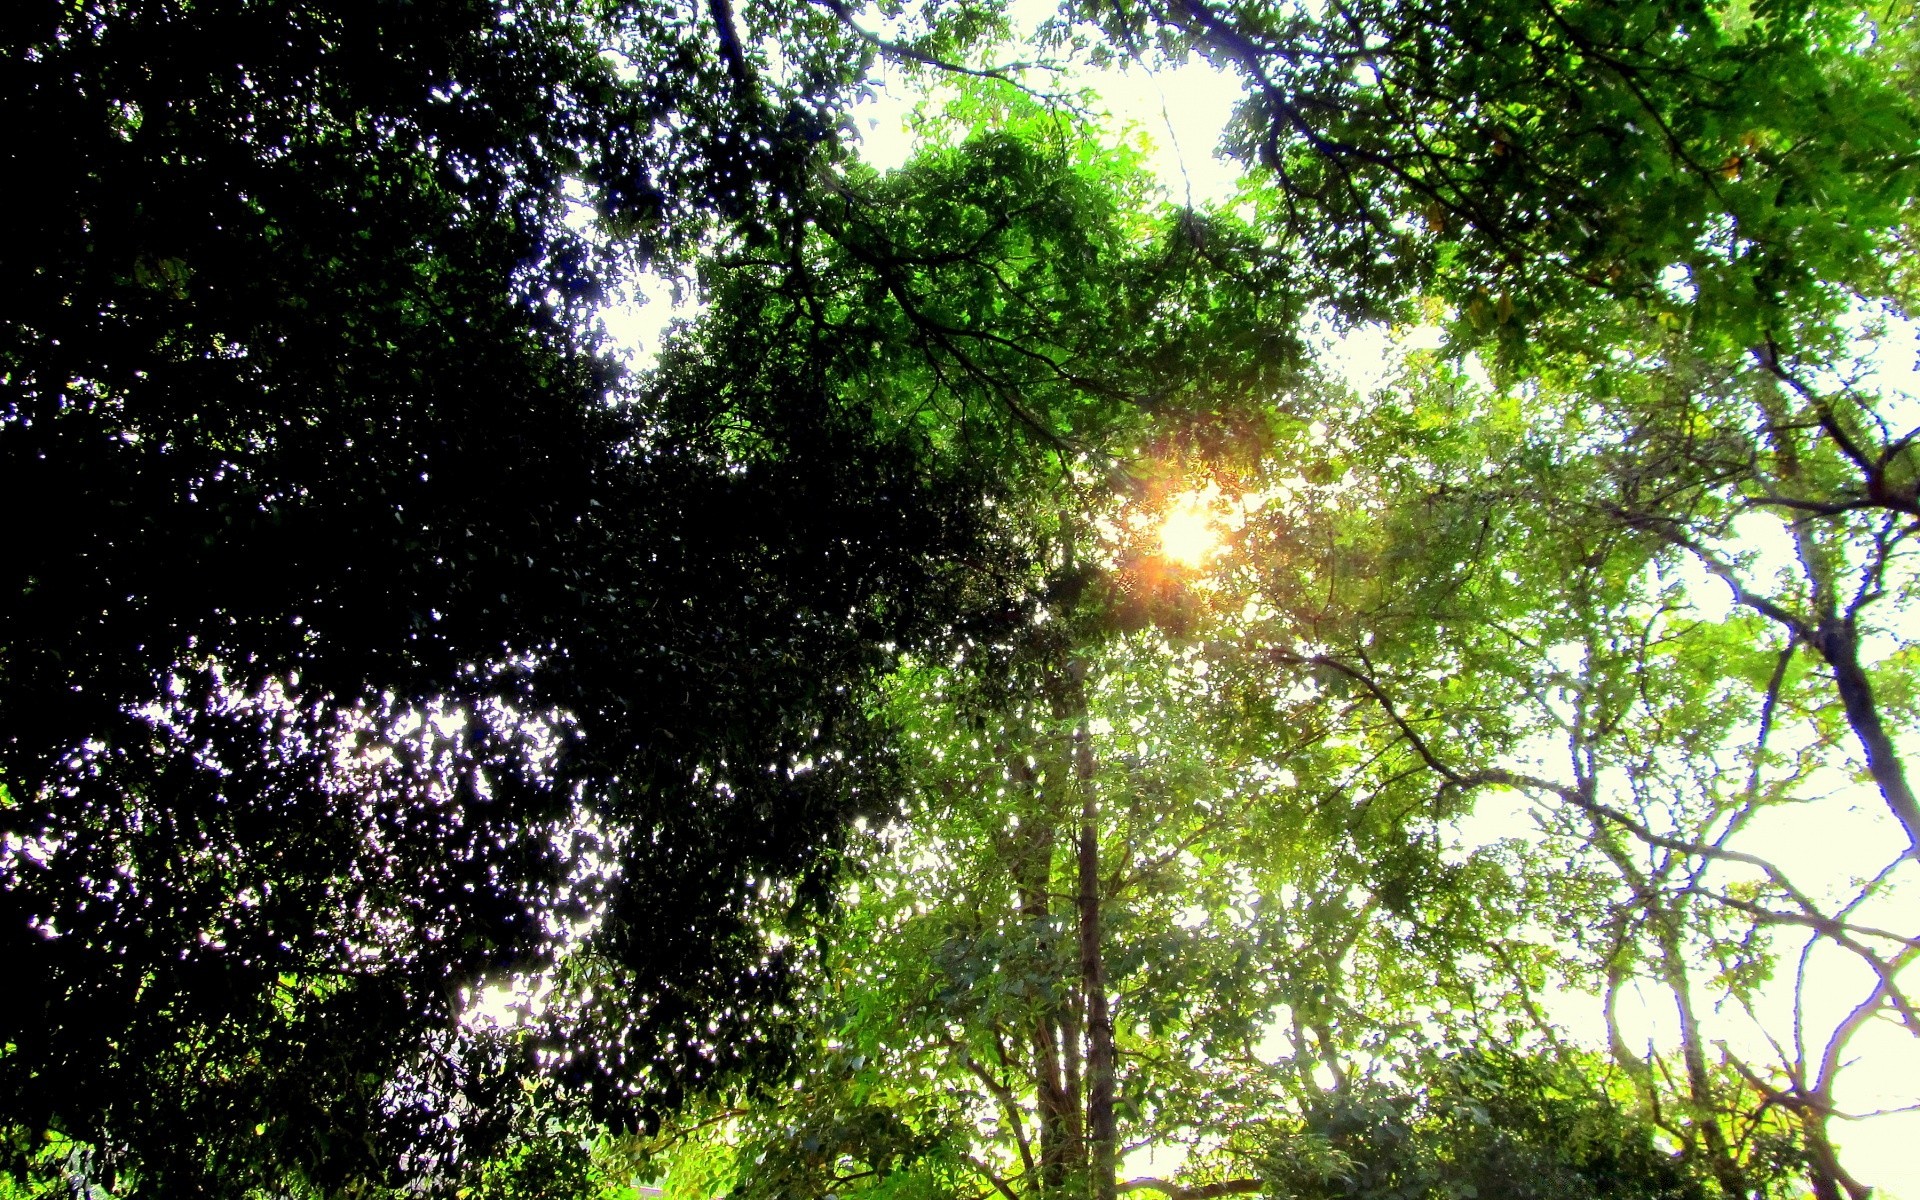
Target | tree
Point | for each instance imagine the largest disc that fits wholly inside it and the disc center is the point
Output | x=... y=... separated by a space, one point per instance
x=1442 y=572
x=374 y=633
x=1610 y=199
x=1487 y=1122
x=433 y=653
x=1129 y=838
x=1108 y=907
x=1548 y=171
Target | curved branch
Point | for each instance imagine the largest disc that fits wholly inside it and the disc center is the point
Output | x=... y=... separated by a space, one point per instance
x=1201 y=1191
x=903 y=53
x=1885 y=992
x=999 y=1185
x=728 y=34
x=1009 y=1103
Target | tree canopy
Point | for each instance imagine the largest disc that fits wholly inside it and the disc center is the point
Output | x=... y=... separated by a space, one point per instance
x=816 y=728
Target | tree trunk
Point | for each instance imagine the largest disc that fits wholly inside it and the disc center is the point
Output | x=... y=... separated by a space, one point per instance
x=1055 y=1108
x=1033 y=867
x=1700 y=1091
x=1102 y=1139
x=1833 y=636
x=1056 y=1137
x=1072 y=1053
x=1828 y=1178
x=1839 y=644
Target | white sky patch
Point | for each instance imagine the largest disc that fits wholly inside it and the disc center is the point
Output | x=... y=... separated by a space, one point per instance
x=1161 y=1160
x=1677 y=282
x=1369 y=357
x=1883 y=364
x=1181 y=113
x=500 y=1005
x=1497 y=814
x=1178 y=115
x=883 y=120
x=637 y=318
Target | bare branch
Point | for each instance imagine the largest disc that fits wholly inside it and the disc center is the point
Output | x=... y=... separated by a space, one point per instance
x=1202 y=1191
x=1884 y=992
x=1669 y=530
x=999 y=1185
x=903 y=53
x=1009 y=1103
x=1840 y=931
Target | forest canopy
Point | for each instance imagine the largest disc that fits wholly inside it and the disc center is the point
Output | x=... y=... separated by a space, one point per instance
x=990 y=708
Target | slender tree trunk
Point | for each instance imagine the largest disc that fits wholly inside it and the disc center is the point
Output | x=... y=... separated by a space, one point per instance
x=1072 y=1053
x=1055 y=1109
x=1033 y=876
x=1839 y=644
x=1056 y=1140
x=1700 y=1090
x=1102 y=1138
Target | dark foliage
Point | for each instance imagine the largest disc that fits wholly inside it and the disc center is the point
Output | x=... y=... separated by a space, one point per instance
x=359 y=636
x=1488 y=1123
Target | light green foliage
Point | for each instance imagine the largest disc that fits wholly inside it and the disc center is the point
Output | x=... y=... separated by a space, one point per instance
x=1526 y=160
x=1630 y=546
x=1506 y=629
x=961 y=940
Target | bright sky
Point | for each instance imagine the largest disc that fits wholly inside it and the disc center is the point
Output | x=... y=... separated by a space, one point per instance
x=1179 y=112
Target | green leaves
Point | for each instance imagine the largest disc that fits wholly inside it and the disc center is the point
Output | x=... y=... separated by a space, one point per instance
x=1486 y=1122
x=382 y=642
x=1523 y=160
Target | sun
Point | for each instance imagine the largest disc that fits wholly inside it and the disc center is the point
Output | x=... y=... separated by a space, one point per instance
x=1189 y=533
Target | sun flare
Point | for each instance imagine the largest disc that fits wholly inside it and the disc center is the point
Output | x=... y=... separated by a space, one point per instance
x=1190 y=533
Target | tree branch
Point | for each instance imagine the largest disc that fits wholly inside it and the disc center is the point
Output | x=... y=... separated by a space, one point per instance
x=1201 y=1191
x=999 y=1185
x=904 y=53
